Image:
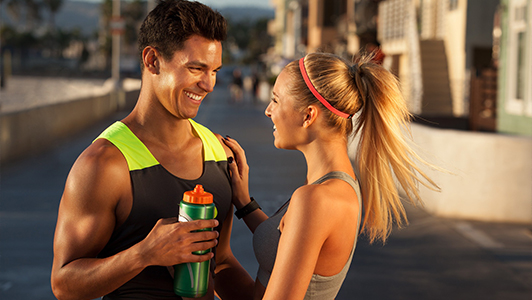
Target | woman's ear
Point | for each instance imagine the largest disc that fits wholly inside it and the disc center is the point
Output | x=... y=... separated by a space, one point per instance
x=150 y=59
x=311 y=114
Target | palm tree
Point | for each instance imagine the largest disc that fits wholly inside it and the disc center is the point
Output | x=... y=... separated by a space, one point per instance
x=53 y=6
x=13 y=7
x=33 y=13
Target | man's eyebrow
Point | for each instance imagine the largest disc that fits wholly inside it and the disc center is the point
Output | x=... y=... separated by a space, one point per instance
x=196 y=63
x=275 y=94
x=199 y=64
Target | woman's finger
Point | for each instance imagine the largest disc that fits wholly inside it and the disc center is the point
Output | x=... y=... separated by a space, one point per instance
x=238 y=151
x=233 y=167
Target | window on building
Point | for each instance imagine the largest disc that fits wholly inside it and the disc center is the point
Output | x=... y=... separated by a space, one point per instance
x=332 y=10
x=519 y=94
x=520 y=35
x=520 y=72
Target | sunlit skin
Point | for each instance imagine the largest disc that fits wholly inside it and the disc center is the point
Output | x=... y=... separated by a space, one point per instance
x=173 y=93
x=98 y=193
x=287 y=121
x=184 y=81
x=315 y=238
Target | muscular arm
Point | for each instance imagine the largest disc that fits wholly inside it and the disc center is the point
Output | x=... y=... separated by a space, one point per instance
x=94 y=191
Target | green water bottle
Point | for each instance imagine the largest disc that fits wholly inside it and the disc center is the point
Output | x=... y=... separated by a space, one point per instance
x=192 y=279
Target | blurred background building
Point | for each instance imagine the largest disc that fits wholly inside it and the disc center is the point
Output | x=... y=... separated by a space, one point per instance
x=465 y=67
x=464 y=63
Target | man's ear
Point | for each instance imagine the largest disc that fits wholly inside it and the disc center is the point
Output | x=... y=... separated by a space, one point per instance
x=151 y=59
x=311 y=114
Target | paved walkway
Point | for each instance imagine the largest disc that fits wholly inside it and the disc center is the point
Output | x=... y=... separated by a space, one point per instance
x=433 y=258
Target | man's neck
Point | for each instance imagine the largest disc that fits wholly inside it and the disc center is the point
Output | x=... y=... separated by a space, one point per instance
x=157 y=126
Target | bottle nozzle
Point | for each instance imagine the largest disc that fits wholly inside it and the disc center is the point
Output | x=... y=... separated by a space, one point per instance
x=198 y=196
x=198 y=189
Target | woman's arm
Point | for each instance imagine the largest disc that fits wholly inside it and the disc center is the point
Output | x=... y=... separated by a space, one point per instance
x=305 y=228
x=240 y=182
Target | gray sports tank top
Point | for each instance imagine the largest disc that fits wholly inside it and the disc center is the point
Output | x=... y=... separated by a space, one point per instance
x=266 y=240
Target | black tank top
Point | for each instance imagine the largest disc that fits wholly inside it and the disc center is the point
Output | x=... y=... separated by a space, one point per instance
x=156 y=194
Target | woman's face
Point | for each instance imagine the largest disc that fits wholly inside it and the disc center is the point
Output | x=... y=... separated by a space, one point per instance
x=287 y=121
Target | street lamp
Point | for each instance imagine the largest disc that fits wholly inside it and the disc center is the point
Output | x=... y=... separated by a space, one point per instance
x=117 y=30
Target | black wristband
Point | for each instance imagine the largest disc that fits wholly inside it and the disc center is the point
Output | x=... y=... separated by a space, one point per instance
x=246 y=210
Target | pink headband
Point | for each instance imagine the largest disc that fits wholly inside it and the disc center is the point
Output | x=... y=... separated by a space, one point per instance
x=315 y=92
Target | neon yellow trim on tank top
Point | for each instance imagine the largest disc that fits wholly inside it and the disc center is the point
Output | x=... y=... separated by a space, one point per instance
x=212 y=147
x=139 y=157
x=136 y=153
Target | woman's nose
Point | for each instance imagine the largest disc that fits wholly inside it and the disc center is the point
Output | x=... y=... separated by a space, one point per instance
x=268 y=112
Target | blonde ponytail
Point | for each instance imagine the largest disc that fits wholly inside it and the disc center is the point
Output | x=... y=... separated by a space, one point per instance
x=383 y=153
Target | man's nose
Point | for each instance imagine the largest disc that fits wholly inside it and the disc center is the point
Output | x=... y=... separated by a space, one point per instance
x=207 y=82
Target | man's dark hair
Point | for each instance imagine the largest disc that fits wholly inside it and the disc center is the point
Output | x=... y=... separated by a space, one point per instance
x=172 y=22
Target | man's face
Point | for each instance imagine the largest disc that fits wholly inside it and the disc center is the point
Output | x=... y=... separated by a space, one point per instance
x=189 y=76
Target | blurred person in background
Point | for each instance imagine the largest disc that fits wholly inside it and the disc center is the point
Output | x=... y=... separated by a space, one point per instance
x=117 y=231
x=237 y=86
x=305 y=249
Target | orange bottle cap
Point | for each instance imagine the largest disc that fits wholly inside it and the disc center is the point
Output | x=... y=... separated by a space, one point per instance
x=198 y=196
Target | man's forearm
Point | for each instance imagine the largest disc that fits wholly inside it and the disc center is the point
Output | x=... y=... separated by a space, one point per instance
x=90 y=278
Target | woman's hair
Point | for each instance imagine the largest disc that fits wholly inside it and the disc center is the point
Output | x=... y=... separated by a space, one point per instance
x=383 y=153
x=172 y=22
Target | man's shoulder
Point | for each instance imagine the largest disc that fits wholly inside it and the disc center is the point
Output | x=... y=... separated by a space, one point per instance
x=135 y=152
x=116 y=131
x=101 y=154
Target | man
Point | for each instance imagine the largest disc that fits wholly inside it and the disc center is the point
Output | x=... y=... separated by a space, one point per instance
x=117 y=230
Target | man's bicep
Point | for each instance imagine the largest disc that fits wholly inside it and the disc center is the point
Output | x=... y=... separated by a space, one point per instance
x=86 y=217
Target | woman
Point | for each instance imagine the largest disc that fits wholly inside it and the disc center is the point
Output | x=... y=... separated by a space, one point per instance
x=305 y=249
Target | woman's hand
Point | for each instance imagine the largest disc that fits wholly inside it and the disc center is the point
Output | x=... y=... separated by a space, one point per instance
x=239 y=173
x=240 y=181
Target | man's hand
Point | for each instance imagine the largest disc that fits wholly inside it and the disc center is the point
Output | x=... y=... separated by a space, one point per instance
x=170 y=242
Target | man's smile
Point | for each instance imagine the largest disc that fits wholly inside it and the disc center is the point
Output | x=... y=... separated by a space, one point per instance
x=193 y=96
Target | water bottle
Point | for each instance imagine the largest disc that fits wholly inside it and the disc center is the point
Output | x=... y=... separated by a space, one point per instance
x=192 y=279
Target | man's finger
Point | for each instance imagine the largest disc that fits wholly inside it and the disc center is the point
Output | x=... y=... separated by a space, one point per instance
x=205 y=245
x=200 y=224
x=199 y=258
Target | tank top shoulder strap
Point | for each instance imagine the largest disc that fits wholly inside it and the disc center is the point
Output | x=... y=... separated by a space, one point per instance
x=338 y=175
x=212 y=147
x=347 y=178
x=136 y=153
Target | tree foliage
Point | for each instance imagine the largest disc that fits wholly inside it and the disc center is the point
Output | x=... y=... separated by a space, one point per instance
x=250 y=37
